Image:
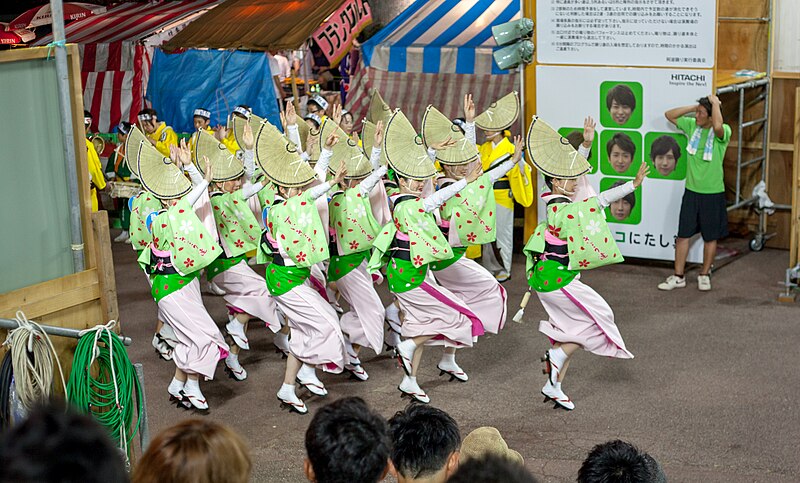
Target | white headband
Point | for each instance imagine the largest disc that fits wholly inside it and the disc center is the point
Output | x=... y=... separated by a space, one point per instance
x=202 y=113
x=320 y=101
x=243 y=111
x=145 y=117
x=314 y=118
x=87 y=121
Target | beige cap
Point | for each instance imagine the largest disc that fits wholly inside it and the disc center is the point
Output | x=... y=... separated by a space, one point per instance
x=487 y=440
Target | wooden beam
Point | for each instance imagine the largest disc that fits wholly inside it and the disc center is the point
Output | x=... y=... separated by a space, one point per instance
x=786 y=75
x=786 y=147
x=794 y=246
x=12 y=301
x=105 y=266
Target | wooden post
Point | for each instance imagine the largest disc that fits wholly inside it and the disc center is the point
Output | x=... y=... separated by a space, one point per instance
x=528 y=110
x=794 y=243
x=295 y=93
x=105 y=267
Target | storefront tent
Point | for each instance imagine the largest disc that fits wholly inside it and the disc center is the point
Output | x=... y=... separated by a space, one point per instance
x=116 y=52
x=435 y=52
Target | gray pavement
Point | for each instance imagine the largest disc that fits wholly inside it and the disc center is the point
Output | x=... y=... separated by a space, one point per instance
x=712 y=392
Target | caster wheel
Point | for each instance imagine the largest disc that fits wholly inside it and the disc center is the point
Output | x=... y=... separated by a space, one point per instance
x=757 y=244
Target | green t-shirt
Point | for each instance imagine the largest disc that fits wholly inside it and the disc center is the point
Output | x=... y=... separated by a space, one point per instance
x=705 y=177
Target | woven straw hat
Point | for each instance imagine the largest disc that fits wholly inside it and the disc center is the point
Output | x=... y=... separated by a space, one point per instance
x=346 y=149
x=501 y=114
x=368 y=137
x=378 y=109
x=436 y=127
x=404 y=149
x=158 y=174
x=237 y=124
x=135 y=138
x=552 y=153
x=279 y=158
x=225 y=165
x=484 y=441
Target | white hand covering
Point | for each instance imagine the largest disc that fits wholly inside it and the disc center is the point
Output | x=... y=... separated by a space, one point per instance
x=249 y=163
x=324 y=162
x=438 y=198
x=194 y=174
x=469 y=132
x=319 y=190
x=611 y=195
x=293 y=133
x=197 y=190
x=366 y=185
x=500 y=170
x=375 y=157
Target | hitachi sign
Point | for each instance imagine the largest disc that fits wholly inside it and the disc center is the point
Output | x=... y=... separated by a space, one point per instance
x=688 y=77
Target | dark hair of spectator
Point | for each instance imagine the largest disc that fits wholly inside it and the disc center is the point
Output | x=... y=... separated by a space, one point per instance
x=664 y=144
x=54 y=446
x=423 y=438
x=347 y=442
x=195 y=451
x=619 y=462
x=622 y=94
x=491 y=469
x=149 y=111
x=630 y=197
x=703 y=101
x=624 y=142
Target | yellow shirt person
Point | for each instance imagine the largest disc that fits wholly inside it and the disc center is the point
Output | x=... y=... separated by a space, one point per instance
x=98 y=180
x=161 y=135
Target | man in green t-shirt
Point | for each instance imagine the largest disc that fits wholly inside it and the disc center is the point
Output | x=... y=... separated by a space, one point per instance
x=703 y=209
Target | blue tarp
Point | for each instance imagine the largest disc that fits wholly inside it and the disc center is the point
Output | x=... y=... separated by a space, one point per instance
x=217 y=80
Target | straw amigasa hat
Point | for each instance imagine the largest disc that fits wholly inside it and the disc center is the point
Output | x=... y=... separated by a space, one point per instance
x=404 y=149
x=368 y=137
x=225 y=165
x=436 y=127
x=158 y=174
x=500 y=115
x=484 y=441
x=378 y=109
x=237 y=124
x=358 y=165
x=552 y=153
x=280 y=159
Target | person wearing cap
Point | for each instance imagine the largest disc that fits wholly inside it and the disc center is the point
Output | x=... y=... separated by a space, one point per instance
x=433 y=314
x=117 y=169
x=159 y=134
x=238 y=231
x=516 y=187
x=181 y=246
x=296 y=238
x=358 y=208
x=97 y=180
x=560 y=248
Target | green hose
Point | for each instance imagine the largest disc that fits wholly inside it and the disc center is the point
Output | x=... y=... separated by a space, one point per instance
x=110 y=404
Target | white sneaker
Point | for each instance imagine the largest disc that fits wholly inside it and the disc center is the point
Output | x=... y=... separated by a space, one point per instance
x=124 y=236
x=214 y=289
x=307 y=376
x=551 y=393
x=703 y=283
x=193 y=394
x=234 y=368
x=410 y=388
x=672 y=282
x=451 y=368
x=236 y=331
x=289 y=399
x=405 y=354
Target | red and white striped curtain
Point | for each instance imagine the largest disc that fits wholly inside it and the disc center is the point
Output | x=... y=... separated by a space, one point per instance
x=412 y=92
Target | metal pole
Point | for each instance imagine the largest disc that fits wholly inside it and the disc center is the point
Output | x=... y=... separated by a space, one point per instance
x=144 y=425
x=10 y=324
x=739 y=147
x=62 y=75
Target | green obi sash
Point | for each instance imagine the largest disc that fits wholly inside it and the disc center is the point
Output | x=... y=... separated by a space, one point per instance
x=281 y=279
x=221 y=264
x=458 y=252
x=352 y=219
x=403 y=275
x=142 y=205
x=164 y=285
x=339 y=266
x=296 y=224
x=472 y=212
x=236 y=223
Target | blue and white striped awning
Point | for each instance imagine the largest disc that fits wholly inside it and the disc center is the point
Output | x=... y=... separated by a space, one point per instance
x=441 y=36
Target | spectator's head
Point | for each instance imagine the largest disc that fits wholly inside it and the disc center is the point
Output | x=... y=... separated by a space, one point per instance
x=87 y=121
x=487 y=440
x=425 y=444
x=148 y=119
x=195 y=451
x=345 y=442
x=317 y=105
x=665 y=153
x=122 y=131
x=620 y=462
x=621 y=208
x=575 y=139
x=702 y=112
x=620 y=150
x=242 y=111
x=491 y=468
x=620 y=103
x=347 y=122
x=54 y=446
x=201 y=118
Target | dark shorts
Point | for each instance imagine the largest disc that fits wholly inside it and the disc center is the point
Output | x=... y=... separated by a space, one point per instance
x=704 y=214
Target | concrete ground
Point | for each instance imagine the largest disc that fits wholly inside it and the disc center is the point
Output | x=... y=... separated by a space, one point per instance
x=712 y=393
